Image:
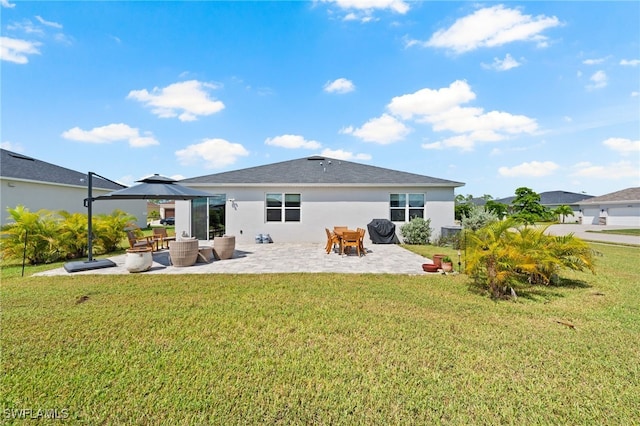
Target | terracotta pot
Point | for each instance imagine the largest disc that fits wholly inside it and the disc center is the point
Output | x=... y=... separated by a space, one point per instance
x=430 y=267
x=138 y=260
x=447 y=266
x=437 y=259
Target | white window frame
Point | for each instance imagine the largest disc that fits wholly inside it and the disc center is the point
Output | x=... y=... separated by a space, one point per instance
x=407 y=208
x=283 y=208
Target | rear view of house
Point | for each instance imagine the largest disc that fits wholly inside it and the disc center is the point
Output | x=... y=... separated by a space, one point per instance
x=293 y=201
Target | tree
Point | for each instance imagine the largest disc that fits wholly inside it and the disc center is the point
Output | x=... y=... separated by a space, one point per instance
x=526 y=206
x=499 y=209
x=463 y=205
x=563 y=211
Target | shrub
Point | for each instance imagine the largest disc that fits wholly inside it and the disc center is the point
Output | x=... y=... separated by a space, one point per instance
x=501 y=254
x=478 y=217
x=32 y=235
x=417 y=231
x=109 y=230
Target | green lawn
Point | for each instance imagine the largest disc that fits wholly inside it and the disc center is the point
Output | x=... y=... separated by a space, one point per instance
x=633 y=232
x=324 y=349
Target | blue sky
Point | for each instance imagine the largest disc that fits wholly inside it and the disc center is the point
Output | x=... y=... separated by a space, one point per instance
x=496 y=95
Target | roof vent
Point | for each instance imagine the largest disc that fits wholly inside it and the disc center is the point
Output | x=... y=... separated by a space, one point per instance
x=316 y=158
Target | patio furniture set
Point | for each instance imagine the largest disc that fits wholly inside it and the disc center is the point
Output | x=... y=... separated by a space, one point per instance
x=183 y=251
x=344 y=239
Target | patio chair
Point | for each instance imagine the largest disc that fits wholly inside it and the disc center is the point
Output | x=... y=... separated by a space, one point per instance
x=351 y=239
x=362 y=231
x=160 y=234
x=332 y=240
x=139 y=242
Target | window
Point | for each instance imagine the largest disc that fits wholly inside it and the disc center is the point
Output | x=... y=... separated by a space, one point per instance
x=281 y=206
x=404 y=207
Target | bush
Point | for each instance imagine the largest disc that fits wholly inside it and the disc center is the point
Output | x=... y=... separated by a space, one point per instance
x=417 y=231
x=477 y=218
x=45 y=237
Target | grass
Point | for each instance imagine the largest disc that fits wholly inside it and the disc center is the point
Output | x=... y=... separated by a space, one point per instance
x=324 y=348
x=632 y=232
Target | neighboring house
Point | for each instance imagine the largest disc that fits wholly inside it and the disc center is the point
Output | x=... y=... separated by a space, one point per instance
x=294 y=201
x=39 y=185
x=555 y=199
x=617 y=208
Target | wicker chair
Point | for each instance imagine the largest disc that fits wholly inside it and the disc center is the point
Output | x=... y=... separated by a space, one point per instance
x=183 y=252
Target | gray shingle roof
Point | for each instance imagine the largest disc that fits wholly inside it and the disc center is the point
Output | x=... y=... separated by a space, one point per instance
x=18 y=166
x=554 y=198
x=319 y=170
x=625 y=195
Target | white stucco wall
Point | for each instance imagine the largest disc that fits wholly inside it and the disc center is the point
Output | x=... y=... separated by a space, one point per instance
x=36 y=196
x=321 y=207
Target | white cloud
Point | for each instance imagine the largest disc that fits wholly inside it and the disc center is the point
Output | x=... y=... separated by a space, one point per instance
x=635 y=94
x=619 y=170
x=213 y=153
x=630 y=62
x=341 y=85
x=398 y=6
x=623 y=146
x=10 y=146
x=191 y=97
x=292 y=142
x=48 y=23
x=503 y=64
x=16 y=50
x=532 y=169
x=598 y=80
x=5 y=3
x=363 y=10
x=111 y=133
x=594 y=61
x=383 y=130
x=426 y=102
x=441 y=108
x=344 y=155
x=491 y=27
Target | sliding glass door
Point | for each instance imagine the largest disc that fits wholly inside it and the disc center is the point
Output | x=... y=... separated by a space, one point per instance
x=208 y=217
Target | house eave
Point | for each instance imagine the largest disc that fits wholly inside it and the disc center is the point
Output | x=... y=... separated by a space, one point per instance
x=324 y=185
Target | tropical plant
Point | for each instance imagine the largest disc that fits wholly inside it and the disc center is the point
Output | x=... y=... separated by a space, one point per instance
x=563 y=211
x=31 y=235
x=72 y=234
x=499 y=209
x=502 y=254
x=109 y=230
x=417 y=231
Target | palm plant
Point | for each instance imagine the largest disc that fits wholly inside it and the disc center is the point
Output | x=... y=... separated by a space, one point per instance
x=31 y=234
x=73 y=234
x=503 y=252
x=563 y=211
x=109 y=229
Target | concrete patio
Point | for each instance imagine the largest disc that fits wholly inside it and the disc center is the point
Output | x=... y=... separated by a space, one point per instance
x=281 y=258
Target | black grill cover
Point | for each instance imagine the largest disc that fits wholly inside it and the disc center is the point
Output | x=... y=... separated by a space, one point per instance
x=382 y=231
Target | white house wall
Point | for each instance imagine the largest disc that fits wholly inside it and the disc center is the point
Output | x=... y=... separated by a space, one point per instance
x=37 y=196
x=612 y=214
x=321 y=207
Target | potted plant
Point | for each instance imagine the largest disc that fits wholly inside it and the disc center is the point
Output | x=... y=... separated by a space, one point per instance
x=447 y=264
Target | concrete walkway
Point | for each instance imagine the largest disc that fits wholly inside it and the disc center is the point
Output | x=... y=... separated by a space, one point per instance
x=281 y=258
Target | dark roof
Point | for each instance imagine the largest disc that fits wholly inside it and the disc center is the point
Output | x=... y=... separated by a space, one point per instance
x=18 y=166
x=553 y=198
x=625 y=195
x=319 y=170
